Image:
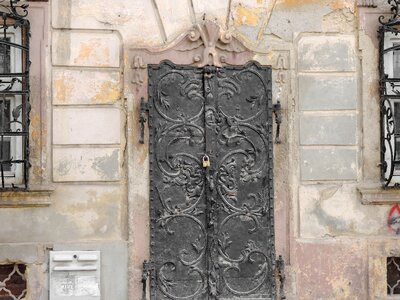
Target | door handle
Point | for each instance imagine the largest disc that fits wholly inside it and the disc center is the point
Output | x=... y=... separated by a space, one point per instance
x=277 y=110
x=144 y=108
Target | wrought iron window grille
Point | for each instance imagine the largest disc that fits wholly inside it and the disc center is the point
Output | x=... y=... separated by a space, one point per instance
x=389 y=88
x=393 y=276
x=14 y=95
x=13 y=281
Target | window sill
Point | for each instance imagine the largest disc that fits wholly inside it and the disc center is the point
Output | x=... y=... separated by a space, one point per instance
x=376 y=194
x=34 y=196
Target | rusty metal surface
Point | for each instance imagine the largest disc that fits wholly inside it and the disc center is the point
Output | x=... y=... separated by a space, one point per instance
x=212 y=233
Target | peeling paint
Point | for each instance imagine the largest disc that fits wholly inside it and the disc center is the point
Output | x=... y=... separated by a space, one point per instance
x=334 y=224
x=90 y=210
x=61 y=89
x=296 y=3
x=86 y=87
x=93 y=51
x=63 y=168
x=340 y=20
x=108 y=90
x=331 y=270
x=247 y=16
x=106 y=15
x=35 y=125
x=341 y=288
x=329 y=192
x=107 y=166
x=341 y=4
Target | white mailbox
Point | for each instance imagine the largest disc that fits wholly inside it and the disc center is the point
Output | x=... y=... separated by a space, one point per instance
x=74 y=275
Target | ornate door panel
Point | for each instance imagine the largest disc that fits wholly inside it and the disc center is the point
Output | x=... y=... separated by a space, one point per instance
x=212 y=234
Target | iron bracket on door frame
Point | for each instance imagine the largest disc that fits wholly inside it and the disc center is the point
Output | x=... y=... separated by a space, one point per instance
x=280 y=268
x=277 y=110
x=144 y=108
x=148 y=267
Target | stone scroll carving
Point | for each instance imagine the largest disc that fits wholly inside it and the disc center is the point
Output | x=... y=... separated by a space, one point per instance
x=204 y=44
x=215 y=41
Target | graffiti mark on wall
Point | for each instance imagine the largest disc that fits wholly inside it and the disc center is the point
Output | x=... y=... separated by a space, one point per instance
x=393 y=220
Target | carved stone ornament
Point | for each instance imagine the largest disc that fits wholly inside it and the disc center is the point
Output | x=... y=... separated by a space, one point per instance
x=203 y=44
x=137 y=66
x=213 y=40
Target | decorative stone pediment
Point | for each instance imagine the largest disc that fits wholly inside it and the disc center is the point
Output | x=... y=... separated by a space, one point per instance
x=203 y=44
x=214 y=42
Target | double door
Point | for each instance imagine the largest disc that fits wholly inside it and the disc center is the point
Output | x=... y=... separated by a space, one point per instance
x=211 y=188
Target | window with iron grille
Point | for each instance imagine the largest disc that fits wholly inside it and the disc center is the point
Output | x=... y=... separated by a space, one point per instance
x=14 y=95
x=393 y=276
x=389 y=70
x=12 y=282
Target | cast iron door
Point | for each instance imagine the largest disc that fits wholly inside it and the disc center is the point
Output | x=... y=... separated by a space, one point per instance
x=212 y=226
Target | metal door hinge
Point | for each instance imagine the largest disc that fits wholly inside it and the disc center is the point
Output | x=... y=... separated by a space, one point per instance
x=280 y=268
x=144 y=108
x=277 y=110
x=148 y=267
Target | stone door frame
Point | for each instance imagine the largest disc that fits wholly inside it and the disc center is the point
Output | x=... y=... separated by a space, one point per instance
x=203 y=44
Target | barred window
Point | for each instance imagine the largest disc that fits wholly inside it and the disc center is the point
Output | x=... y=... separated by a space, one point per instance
x=393 y=276
x=12 y=282
x=14 y=95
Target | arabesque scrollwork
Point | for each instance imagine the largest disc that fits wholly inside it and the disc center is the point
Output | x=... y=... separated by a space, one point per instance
x=213 y=223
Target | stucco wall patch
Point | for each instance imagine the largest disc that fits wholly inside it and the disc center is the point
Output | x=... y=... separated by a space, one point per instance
x=322 y=214
x=340 y=20
x=84 y=126
x=86 y=164
x=86 y=49
x=331 y=270
x=246 y=16
x=74 y=87
x=327 y=53
x=107 y=165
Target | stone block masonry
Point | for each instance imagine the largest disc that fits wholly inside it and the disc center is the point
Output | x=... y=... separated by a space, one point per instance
x=328 y=107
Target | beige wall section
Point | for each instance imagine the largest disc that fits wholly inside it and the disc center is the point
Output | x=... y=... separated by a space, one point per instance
x=77 y=152
x=300 y=39
x=71 y=87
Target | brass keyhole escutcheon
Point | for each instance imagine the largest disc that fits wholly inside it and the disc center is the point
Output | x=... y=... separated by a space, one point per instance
x=206 y=161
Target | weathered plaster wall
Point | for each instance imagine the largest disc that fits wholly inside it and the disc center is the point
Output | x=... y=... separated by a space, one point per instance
x=85 y=135
x=331 y=139
x=77 y=154
x=314 y=49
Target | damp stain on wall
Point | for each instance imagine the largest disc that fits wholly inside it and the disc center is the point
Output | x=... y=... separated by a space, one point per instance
x=107 y=165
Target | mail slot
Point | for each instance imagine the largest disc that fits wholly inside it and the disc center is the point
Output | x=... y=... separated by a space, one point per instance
x=75 y=275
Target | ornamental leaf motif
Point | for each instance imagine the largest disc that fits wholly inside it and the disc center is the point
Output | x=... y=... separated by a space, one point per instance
x=164 y=100
x=227 y=180
x=189 y=176
x=248 y=172
x=166 y=283
x=197 y=244
x=225 y=241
